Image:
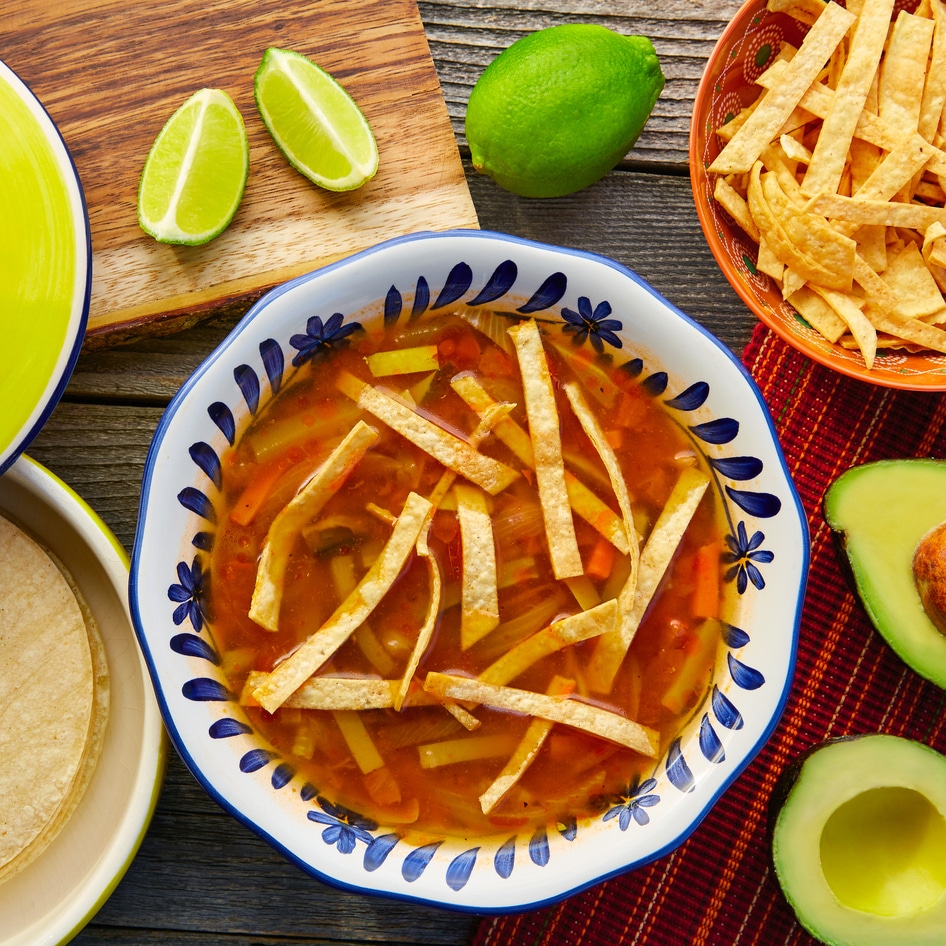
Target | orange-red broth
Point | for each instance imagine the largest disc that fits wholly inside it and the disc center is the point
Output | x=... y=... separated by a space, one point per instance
x=575 y=774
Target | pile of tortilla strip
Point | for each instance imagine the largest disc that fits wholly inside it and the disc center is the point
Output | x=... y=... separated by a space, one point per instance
x=54 y=698
x=838 y=172
x=469 y=479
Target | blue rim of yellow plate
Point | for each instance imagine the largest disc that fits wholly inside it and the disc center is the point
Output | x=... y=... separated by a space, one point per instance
x=45 y=265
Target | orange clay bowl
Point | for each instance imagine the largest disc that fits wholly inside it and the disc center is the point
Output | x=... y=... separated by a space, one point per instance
x=743 y=52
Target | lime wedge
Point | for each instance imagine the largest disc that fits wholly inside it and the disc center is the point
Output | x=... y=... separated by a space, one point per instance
x=314 y=121
x=193 y=180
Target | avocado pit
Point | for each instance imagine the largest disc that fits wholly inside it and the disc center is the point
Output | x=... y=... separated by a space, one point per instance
x=878 y=513
x=929 y=574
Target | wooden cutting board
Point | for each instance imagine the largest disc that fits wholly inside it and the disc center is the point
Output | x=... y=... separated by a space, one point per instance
x=111 y=72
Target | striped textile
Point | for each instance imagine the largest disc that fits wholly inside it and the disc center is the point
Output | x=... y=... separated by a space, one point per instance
x=718 y=889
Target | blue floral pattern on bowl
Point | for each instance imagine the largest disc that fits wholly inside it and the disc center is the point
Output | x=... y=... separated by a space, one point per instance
x=766 y=533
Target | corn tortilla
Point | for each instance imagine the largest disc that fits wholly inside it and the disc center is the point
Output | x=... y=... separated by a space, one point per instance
x=54 y=699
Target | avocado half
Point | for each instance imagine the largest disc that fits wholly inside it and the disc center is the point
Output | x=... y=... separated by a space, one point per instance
x=879 y=512
x=858 y=844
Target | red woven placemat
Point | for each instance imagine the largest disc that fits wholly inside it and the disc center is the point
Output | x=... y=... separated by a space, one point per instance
x=718 y=888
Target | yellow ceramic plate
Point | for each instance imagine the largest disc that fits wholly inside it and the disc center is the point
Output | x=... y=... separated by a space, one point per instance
x=45 y=265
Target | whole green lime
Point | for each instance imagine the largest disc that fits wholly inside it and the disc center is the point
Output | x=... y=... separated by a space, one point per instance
x=561 y=107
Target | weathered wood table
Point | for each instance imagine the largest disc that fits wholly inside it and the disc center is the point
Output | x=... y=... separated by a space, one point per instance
x=201 y=877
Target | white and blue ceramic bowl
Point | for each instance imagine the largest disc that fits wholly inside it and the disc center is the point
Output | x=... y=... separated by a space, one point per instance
x=703 y=387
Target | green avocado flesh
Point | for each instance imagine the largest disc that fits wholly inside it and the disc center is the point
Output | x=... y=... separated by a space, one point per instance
x=858 y=845
x=880 y=511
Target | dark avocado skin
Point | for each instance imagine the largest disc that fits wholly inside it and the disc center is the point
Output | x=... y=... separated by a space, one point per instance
x=839 y=542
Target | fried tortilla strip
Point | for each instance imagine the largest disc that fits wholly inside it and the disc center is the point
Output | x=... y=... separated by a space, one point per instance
x=794 y=150
x=934 y=92
x=430 y=620
x=830 y=152
x=910 y=156
x=813 y=237
x=814 y=310
x=903 y=73
x=463 y=716
x=859 y=325
x=799 y=118
x=864 y=159
x=591 y=427
x=934 y=253
x=550 y=639
x=475 y=396
x=767 y=262
x=455 y=454
x=819 y=101
x=289 y=675
x=889 y=176
x=304 y=506
x=479 y=591
x=333 y=693
x=781 y=242
x=767 y=120
x=544 y=431
x=354 y=693
x=488 y=419
x=344 y=581
x=791 y=282
x=908 y=275
x=584 y=502
x=884 y=343
x=934 y=245
x=526 y=751
x=805 y=11
x=784 y=170
x=887 y=213
x=884 y=313
x=735 y=205
x=872 y=245
x=556 y=709
x=921 y=334
x=728 y=129
x=656 y=556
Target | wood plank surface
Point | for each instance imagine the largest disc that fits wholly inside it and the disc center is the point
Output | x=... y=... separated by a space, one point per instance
x=202 y=879
x=111 y=72
x=639 y=219
x=465 y=37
